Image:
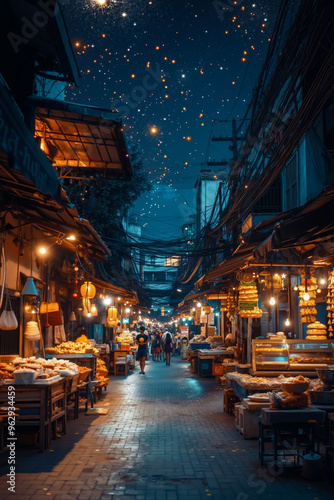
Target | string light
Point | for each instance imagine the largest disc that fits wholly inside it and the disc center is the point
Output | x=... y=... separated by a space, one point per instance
x=287 y=322
x=272 y=301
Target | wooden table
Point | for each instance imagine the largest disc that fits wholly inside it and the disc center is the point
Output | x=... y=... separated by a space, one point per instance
x=40 y=406
x=287 y=424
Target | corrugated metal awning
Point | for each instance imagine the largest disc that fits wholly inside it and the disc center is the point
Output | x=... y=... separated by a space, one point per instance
x=82 y=141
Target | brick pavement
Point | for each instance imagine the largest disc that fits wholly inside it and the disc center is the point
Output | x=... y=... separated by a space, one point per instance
x=165 y=437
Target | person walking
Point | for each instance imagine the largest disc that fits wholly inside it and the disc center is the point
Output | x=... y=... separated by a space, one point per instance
x=167 y=346
x=141 y=341
x=157 y=347
x=152 y=346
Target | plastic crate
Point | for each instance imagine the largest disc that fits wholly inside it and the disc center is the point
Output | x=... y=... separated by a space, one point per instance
x=205 y=367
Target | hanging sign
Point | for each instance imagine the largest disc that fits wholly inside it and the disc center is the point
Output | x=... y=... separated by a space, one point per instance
x=247 y=305
x=207 y=309
x=211 y=319
x=198 y=313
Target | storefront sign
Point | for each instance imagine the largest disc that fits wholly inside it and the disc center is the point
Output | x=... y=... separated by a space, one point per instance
x=184 y=331
x=126 y=320
x=247 y=305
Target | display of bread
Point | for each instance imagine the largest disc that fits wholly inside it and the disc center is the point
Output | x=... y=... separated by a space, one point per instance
x=43 y=368
x=316 y=331
x=307 y=307
x=101 y=369
x=330 y=305
x=248 y=301
x=72 y=348
x=288 y=401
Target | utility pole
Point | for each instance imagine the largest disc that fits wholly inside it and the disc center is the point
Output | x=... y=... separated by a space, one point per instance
x=234 y=148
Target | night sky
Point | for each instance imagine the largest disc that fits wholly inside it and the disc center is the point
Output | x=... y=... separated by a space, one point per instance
x=172 y=68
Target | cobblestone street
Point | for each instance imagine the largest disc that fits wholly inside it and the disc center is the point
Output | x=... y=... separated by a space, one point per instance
x=165 y=437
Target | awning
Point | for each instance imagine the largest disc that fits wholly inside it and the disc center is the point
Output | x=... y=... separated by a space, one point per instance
x=245 y=251
x=312 y=225
x=23 y=166
x=82 y=141
x=211 y=293
x=38 y=26
x=116 y=291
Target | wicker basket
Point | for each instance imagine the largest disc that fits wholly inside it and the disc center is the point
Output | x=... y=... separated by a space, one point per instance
x=83 y=375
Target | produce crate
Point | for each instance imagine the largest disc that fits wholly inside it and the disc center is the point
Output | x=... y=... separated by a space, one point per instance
x=205 y=367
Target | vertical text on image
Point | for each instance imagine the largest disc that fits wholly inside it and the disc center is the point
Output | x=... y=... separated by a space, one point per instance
x=11 y=438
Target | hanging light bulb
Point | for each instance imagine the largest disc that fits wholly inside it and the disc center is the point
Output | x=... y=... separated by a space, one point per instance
x=272 y=301
x=107 y=301
x=287 y=322
x=199 y=304
x=306 y=296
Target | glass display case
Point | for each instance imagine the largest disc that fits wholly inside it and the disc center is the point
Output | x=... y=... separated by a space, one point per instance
x=310 y=354
x=270 y=355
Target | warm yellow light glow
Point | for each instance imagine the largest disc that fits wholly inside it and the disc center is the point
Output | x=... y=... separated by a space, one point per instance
x=287 y=323
x=153 y=130
x=42 y=250
x=199 y=304
x=272 y=301
x=71 y=237
x=306 y=296
x=101 y=2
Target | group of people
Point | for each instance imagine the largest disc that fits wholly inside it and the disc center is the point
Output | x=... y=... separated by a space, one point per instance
x=162 y=343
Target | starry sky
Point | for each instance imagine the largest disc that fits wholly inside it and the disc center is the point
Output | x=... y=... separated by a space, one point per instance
x=177 y=71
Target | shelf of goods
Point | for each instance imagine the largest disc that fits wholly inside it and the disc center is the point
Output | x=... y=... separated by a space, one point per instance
x=283 y=356
x=39 y=406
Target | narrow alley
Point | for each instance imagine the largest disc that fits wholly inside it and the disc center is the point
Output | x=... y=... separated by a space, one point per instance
x=164 y=437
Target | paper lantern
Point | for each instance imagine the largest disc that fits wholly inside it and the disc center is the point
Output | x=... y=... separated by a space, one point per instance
x=112 y=314
x=88 y=290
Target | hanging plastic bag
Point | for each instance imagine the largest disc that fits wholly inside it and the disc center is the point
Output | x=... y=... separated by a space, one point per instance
x=8 y=320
